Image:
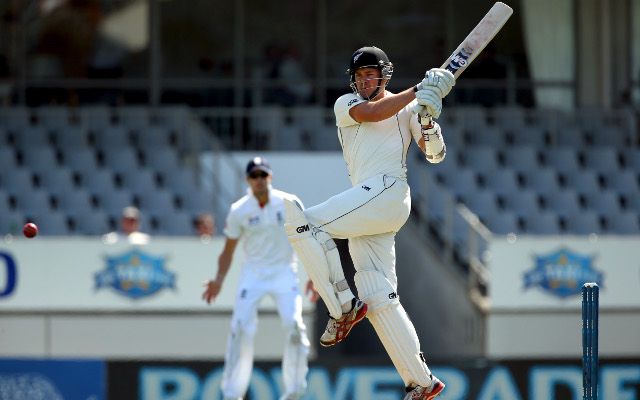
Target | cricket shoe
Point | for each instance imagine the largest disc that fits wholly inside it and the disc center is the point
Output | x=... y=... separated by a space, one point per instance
x=423 y=393
x=338 y=329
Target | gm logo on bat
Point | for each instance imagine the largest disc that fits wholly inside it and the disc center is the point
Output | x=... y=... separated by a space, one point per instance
x=459 y=60
x=302 y=228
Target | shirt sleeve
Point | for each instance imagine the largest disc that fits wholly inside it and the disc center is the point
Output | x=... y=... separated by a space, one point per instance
x=342 y=107
x=233 y=226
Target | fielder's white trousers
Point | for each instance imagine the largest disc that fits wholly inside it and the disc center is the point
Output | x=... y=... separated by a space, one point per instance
x=284 y=290
x=369 y=215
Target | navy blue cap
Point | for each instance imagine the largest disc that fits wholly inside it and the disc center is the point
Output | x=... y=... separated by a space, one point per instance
x=258 y=164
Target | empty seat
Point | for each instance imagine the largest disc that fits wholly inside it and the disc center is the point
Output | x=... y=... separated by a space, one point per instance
x=529 y=136
x=122 y=160
x=95 y=118
x=51 y=223
x=463 y=181
x=30 y=138
x=91 y=223
x=196 y=202
x=54 y=118
x=569 y=136
x=8 y=159
x=482 y=203
x=502 y=182
x=523 y=203
x=453 y=135
x=57 y=180
x=33 y=202
x=154 y=137
x=583 y=182
x=472 y=119
x=543 y=181
x=542 y=223
x=608 y=135
x=602 y=159
x=15 y=119
x=79 y=159
x=563 y=203
x=625 y=223
x=11 y=222
x=40 y=159
x=307 y=119
x=16 y=180
x=604 y=202
x=98 y=181
x=157 y=202
x=522 y=159
x=481 y=158
x=5 y=203
x=181 y=180
x=562 y=159
x=624 y=182
x=493 y=136
x=163 y=160
x=76 y=202
x=71 y=137
x=509 y=118
x=112 y=202
x=435 y=203
x=140 y=181
x=631 y=158
x=133 y=118
x=503 y=222
x=583 y=223
x=175 y=223
x=112 y=139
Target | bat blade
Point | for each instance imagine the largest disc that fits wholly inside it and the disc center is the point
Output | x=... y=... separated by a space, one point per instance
x=478 y=39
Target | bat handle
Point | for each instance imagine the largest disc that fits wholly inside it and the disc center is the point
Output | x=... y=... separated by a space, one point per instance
x=426 y=121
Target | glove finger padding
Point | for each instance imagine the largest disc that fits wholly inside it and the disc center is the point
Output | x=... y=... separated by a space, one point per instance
x=440 y=78
x=431 y=100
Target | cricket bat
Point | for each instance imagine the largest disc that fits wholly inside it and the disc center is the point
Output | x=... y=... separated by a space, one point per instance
x=475 y=42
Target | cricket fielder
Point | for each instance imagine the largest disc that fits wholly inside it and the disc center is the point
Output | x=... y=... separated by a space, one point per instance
x=269 y=268
x=375 y=128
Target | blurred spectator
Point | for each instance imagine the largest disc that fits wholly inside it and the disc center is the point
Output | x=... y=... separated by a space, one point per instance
x=205 y=226
x=297 y=84
x=129 y=228
x=66 y=38
x=285 y=66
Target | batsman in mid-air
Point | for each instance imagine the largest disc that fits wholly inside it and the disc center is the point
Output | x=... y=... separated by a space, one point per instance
x=375 y=128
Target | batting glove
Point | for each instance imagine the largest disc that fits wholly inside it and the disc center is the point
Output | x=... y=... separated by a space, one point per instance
x=430 y=101
x=439 y=78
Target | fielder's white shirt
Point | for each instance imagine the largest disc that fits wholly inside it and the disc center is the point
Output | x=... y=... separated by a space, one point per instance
x=266 y=247
x=372 y=148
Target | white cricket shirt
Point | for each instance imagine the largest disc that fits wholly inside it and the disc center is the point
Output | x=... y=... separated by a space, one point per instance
x=266 y=247
x=371 y=148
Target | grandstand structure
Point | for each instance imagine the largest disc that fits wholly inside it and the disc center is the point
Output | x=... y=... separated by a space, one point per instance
x=539 y=143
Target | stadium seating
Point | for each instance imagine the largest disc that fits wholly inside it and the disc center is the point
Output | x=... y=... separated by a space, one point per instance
x=518 y=172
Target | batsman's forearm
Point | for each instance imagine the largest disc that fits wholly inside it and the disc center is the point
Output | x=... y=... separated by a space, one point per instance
x=387 y=107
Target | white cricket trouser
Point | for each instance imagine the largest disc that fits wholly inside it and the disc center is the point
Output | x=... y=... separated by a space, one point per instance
x=284 y=290
x=369 y=219
x=369 y=215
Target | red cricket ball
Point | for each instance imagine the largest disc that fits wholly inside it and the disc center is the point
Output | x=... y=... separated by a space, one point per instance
x=30 y=230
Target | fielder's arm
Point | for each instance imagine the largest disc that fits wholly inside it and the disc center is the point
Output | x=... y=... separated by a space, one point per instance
x=213 y=287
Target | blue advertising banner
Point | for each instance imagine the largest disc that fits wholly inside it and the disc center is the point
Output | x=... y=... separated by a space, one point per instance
x=52 y=379
x=472 y=380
